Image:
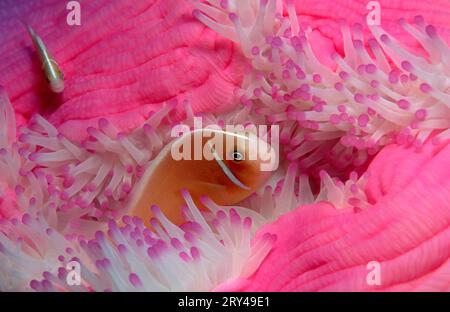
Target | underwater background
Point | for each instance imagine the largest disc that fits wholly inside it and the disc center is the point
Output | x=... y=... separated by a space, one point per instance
x=358 y=202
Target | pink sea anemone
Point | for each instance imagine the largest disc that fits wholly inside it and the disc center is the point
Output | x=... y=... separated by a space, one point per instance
x=340 y=115
x=363 y=177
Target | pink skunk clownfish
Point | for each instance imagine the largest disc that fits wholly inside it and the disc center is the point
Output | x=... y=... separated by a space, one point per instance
x=226 y=167
x=53 y=74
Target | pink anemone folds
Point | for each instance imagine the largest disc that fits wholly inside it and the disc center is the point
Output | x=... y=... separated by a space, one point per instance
x=363 y=177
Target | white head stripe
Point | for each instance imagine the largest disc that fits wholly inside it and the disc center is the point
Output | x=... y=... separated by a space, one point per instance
x=228 y=172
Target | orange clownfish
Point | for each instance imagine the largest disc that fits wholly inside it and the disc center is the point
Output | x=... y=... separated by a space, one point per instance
x=227 y=171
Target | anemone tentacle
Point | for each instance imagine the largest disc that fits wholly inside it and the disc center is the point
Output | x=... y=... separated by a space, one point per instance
x=378 y=94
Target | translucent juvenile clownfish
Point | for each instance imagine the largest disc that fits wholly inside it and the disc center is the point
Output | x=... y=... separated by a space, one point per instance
x=52 y=72
x=228 y=171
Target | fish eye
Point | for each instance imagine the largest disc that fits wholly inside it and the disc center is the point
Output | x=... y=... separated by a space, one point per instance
x=237 y=156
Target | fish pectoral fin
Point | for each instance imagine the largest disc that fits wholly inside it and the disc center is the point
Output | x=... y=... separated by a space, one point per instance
x=206 y=188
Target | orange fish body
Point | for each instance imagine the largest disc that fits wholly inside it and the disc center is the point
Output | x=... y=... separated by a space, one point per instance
x=227 y=175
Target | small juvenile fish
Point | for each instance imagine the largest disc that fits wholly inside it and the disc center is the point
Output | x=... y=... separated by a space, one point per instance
x=227 y=176
x=53 y=74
